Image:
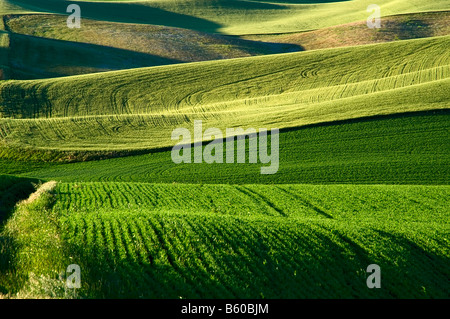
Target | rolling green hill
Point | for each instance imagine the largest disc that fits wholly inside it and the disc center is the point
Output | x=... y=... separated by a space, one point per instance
x=281 y=91
x=87 y=177
x=32 y=56
x=403 y=149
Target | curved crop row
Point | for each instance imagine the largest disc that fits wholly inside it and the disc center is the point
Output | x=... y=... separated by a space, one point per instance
x=71 y=114
x=144 y=91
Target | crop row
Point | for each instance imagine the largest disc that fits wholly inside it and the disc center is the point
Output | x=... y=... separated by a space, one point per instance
x=133 y=110
x=143 y=91
x=173 y=255
x=385 y=203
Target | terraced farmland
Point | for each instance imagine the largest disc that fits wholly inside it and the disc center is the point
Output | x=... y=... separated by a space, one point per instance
x=362 y=170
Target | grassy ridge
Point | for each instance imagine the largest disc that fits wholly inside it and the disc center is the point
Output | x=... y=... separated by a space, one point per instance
x=30 y=247
x=277 y=91
x=409 y=149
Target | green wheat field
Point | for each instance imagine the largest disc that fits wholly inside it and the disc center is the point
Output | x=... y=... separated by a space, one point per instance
x=86 y=169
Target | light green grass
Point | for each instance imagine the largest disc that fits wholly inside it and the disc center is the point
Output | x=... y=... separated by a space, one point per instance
x=285 y=90
x=376 y=203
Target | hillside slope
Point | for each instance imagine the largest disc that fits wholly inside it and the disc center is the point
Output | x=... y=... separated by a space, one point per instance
x=402 y=149
x=393 y=28
x=281 y=91
x=89 y=49
x=42 y=46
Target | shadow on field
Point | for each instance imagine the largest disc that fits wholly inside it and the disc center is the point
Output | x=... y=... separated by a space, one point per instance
x=124 y=12
x=12 y=190
x=368 y=119
x=35 y=57
x=271 y=261
x=408 y=29
x=263 y=47
x=414 y=272
x=4 y=63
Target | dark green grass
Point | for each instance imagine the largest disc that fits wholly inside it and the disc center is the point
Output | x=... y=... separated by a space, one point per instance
x=405 y=149
x=16 y=167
